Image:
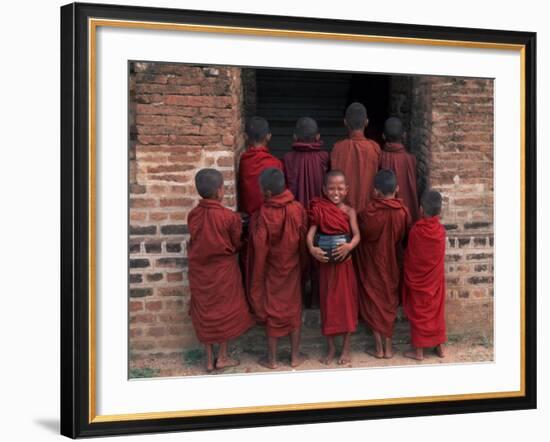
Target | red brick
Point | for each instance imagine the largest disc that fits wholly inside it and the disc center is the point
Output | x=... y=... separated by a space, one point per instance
x=177 y=202
x=153 y=306
x=173 y=277
x=136 y=306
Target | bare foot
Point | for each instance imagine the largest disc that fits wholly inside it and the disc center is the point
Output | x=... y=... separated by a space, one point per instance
x=226 y=363
x=265 y=362
x=388 y=354
x=377 y=354
x=413 y=355
x=298 y=360
x=210 y=367
x=345 y=358
x=440 y=351
x=327 y=360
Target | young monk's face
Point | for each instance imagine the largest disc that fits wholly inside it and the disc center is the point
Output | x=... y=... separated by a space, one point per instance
x=336 y=189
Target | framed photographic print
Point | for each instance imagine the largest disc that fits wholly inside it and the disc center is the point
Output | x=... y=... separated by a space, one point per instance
x=274 y=220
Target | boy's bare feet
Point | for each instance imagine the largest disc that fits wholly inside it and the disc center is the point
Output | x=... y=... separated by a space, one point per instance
x=440 y=351
x=210 y=367
x=345 y=358
x=331 y=352
x=416 y=354
x=226 y=363
x=378 y=354
x=297 y=360
x=388 y=348
x=267 y=363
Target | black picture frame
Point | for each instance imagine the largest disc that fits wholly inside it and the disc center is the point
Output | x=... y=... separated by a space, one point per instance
x=75 y=219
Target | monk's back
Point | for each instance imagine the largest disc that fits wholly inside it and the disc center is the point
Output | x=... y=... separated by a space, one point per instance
x=358 y=157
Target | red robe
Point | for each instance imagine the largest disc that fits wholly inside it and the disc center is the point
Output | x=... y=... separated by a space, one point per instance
x=305 y=168
x=424 y=283
x=277 y=238
x=383 y=225
x=394 y=156
x=253 y=162
x=337 y=283
x=218 y=306
x=358 y=158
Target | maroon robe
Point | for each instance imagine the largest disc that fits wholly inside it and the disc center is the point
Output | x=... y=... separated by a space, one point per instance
x=253 y=162
x=395 y=157
x=305 y=168
x=383 y=225
x=358 y=157
x=218 y=307
x=277 y=238
x=424 y=283
x=337 y=283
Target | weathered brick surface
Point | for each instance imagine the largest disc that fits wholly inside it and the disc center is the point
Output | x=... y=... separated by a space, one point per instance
x=450 y=122
x=182 y=118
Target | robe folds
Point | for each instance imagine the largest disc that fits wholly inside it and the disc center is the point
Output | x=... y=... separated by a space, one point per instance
x=277 y=238
x=383 y=225
x=424 y=283
x=253 y=162
x=395 y=157
x=305 y=168
x=358 y=157
x=218 y=307
x=337 y=282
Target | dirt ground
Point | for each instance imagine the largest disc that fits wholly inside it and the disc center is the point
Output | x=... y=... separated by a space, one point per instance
x=192 y=362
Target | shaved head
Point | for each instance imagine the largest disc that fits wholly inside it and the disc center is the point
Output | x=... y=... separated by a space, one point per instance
x=306 y=129
x=272 y=180
x=332 y=174
x=385 y=182
x=356 y=116
x=393 y=129
x=208 y=182
x=432 y=202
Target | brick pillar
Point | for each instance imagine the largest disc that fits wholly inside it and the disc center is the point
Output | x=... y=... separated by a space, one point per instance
x=182 y=118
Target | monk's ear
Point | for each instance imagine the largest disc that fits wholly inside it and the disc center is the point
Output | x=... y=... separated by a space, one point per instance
x=396 y=188
x=268 y=137
x=345 y=123
x=366 y=122
x=294 y=137
x=317 y=137
x=384 y=137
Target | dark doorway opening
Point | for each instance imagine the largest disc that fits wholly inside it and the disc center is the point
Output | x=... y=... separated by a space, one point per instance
x=283 y=96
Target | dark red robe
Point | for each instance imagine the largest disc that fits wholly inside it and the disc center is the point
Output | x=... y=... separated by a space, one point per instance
x=218 y=306
x=253 y=162
x=358 y=157
x=337 y=283
x=277 y=238
x=394 y=156
x=305 y=168
x=383 y=225
x=424 y=283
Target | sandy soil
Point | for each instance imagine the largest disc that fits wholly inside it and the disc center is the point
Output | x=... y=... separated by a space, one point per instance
x=192 y=362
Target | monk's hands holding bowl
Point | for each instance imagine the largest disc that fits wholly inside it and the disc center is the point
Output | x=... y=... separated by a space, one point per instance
x=319 y=254
x=342 y=251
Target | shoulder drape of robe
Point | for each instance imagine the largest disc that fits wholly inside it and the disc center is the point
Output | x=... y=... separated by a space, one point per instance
x=277 y=237
x=218 y=306
x=383 y=225
x=424 y=290
x=253 y=162
x=394 y=156
x=358 y=158
x=337 y=282
x=305 y=168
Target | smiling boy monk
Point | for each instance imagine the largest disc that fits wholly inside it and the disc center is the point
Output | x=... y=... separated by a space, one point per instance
x=277 y=235
x=383 y=225
x=218 y=307
x=424 y=279
x=337 y=283
x=357 y=157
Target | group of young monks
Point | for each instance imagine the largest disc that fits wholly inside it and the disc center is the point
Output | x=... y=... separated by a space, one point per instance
x=394 y=252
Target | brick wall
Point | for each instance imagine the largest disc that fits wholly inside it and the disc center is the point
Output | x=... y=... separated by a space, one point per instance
x=451 y=132
x=182 y=118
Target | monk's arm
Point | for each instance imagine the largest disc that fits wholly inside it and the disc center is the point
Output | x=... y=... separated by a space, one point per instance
x=235 y=231
x=344 y=249
x=317 y=252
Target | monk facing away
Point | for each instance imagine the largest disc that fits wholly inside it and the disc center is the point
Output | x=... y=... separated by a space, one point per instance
x=218 y=307
x=357 y=157
x=277 y=235
x=395 y=157
x=256 y=159
x=305 y=167
x=334 y=222
x=424 y=280
x=383 y=225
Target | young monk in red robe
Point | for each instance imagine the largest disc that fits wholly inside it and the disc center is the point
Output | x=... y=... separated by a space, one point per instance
x=424 y=280
x=305 y=168
x=256 y=159
x=218 y=307
x=338 y=286
x=395 y=157
x=383 y=225
x=278 y=240
x=357 y=157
